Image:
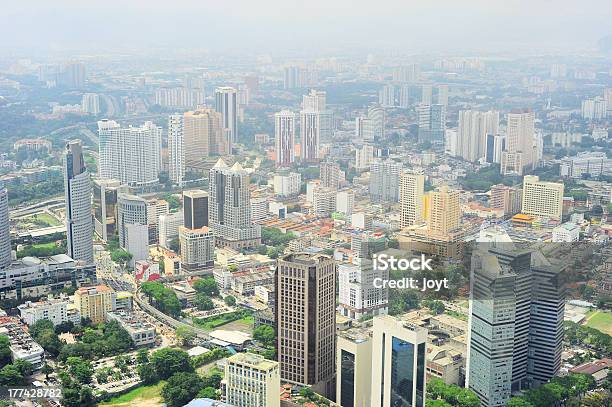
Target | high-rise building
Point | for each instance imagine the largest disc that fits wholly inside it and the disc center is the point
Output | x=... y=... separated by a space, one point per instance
x=443 y=95
x=406 y=73
x=515 y=322
x=472 y=132
x=431 y=121
x=252 y=381
x=411 y=198
x=542 y=199
x=91 y=103
x=494 y=148
x=427 y=94
x=5 y=229
x=357 y=296
x=364 y=156
x=95 y=302
x=77 y=193
x=594 y=109
x=176 y=149
x=450 y=142
x=316 y=124
x=131 y=210
x=386 y=96
x=155 y=209
x=169 y=228
x=507 y=198
x=73 y=74
x=130 y=154
x=226 y=103
x=197 y=248
x=353 y=368
x=306 y=320
x=284 y=129
x=323 y=201
x=195 y=208
x=287 y=184
x=518 y=156
x=345 y=202
x=330 y=175
x=444 y=213
x=384 y=180
x=398 y=363
x=292 y=77
x=105 y=192
x=230 y=207
x=180 y=97
x=376 y=115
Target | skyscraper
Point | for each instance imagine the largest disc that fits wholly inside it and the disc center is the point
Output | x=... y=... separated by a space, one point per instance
x=542 y=199
x=176 y=149
x=357 y=296
x=472 y=133
x=130 y=154
x=284 y=131
x=444 y=211
x=195 y=208
x=398 y=363
x=432 y=122
x=5 y=229
x=105 y=192
x=443 y=95
x=197 y=248
x=516 y=321
x=131 y=210
x=330 y=175
x=91 y=103
x=315 y=124
x=427 y=94
x=230 y=207
x=384 y=180
x=306 y=320
x=226 y=103
x=353 y=368
x=77 y=193
x=411 y=199
x=518 y=156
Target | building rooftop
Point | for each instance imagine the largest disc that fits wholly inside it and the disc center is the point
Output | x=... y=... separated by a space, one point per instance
x=255 y=361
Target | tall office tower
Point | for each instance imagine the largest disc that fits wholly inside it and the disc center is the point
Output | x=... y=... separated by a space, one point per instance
x=197 y=248
x=406 y=73
x=364 y=156
x=130 y=154
x=353 y=368
x=176 y=149
x=345 y=202
x=195 y=208
x=230 y=207
x=315 y=101
x=323 y=201
x=316 y=124
x=386 y=96
x=432 y=122
x=306 y=320
x=91 y=103
x=472 y=132
x=5 y=229
x=443 y=95
x=155 y=209
x=284 y=131
x=516 y=321
x=364 y=128
x=73 y=74
x=131 y=210
x=384 y=180
x=376 y=115
x=77 y=193
x=291 y=79
x=450 y=142
x=330 y=175
x=594 y=109
x=518 y=156
x=411 y=198
x=494 y=148
x=357 y=296
x=444 y=210
x=398 y=363
x=252 y=381
x=427 y=94
x=542 y=199
x=226 y=103
x=169 y=227
x=204 y=136
x=507 y=198
x=404 y=96
x=105 y=192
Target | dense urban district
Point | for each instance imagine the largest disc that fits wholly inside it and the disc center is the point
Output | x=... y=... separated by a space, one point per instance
x=201 y=230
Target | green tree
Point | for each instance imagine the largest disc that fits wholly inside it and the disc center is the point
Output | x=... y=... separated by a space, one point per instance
x=168 y=361
x=185 y=334
x=11 y=376
x=518 y=402
x=207 y=286
x=46 y=370
x=208 y=393
x=147 y=373
x=265 y=334
x=5 y=350
x=230 y=300
x=203 y=302
x=181 y=388
x=81 y=370
x=142 y=356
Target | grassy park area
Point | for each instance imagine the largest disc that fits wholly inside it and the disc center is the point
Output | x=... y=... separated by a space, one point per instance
x=140 y=396
x=600 y=320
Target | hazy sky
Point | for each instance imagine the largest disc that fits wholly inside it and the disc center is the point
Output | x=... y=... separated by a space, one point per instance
x=269 y=25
